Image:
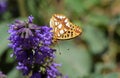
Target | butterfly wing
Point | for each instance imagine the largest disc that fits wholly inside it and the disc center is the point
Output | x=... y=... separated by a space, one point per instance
x=73 y=32
x=60 y=24
x=63 y=28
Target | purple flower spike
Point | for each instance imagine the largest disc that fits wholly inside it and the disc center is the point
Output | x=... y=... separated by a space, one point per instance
x=3 y=6
x=2 y=75
x=30 y=19
x=31 y=45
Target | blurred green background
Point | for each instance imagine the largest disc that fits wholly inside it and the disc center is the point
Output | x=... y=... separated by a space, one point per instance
x=94 y=54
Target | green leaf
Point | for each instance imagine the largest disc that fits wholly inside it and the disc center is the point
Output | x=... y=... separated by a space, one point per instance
x=90 y=3
x=75 y=5
x=99 y=67
x=95 y=38
x=15 y=74
x=3 y=36
x=76 y=61
x=80 y=6
x=111 y=75
x=98 y=19
x=8 y=58
x=118 y=31
x=96 y=76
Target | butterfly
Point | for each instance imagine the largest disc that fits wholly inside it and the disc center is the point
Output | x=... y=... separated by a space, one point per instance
x=62 y=28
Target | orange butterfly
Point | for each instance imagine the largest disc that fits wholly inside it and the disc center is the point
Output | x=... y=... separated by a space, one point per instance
x=63 y=28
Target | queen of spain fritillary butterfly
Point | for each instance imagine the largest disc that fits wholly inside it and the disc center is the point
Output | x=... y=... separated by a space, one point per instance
x=63 y=28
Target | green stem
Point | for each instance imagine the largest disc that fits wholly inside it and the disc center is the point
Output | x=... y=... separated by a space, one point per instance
x=21 y=5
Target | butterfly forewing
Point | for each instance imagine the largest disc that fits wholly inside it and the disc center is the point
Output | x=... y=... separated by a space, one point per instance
x=63 y=28
x=60 y=24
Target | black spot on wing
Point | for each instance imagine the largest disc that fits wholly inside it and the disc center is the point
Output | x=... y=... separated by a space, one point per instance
x=67 y=35
x=68 y=31
x=71 y=34
x=62 y=36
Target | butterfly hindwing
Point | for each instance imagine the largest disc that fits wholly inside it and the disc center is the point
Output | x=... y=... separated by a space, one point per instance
x=71 y=33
